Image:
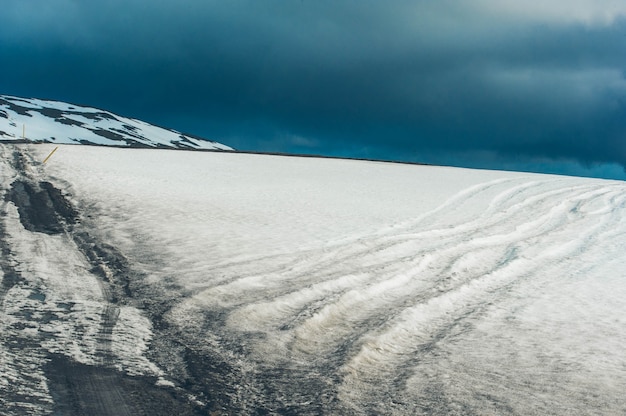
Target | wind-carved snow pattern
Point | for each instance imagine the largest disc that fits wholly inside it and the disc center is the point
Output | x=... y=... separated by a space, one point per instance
x=306 y=286
x=34 y=120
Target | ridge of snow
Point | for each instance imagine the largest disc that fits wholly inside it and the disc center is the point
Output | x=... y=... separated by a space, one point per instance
x=37 y=120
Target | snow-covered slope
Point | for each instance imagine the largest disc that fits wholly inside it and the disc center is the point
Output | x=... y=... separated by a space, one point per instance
x=249 y=284
x=57 y=122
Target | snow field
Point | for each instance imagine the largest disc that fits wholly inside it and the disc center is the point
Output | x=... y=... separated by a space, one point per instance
x=396 y=289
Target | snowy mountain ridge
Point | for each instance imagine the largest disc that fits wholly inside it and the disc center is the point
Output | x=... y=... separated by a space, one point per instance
x=35 y=120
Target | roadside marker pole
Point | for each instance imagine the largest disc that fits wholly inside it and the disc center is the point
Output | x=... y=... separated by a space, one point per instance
x=51 y=153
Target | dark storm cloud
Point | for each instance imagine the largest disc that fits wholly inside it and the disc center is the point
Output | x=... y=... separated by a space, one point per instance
x=401 y=79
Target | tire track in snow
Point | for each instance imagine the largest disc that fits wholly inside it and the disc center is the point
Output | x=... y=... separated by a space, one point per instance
x=407 y=291
x=61 y=372
x=21 y=386
x=435 y=276
x=43 y=208
x=392 y=353
x=314 y=266
x=402 y=260
x=10 y=275
x=293 y=270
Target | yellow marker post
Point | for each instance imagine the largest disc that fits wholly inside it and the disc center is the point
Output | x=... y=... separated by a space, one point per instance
x=51 y=153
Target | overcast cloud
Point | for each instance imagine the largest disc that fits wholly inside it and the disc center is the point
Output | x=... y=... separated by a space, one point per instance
x=484 y=83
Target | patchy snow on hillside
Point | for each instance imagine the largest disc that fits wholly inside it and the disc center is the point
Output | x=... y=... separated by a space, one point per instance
x=320 y=286
x=58 y=122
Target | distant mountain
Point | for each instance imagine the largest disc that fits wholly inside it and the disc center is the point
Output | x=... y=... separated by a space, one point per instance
x=34 y=120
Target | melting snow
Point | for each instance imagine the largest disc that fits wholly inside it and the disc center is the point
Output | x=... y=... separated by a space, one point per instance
x=343 y=286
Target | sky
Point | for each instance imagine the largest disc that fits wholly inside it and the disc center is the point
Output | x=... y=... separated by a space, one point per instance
x=500 y=84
